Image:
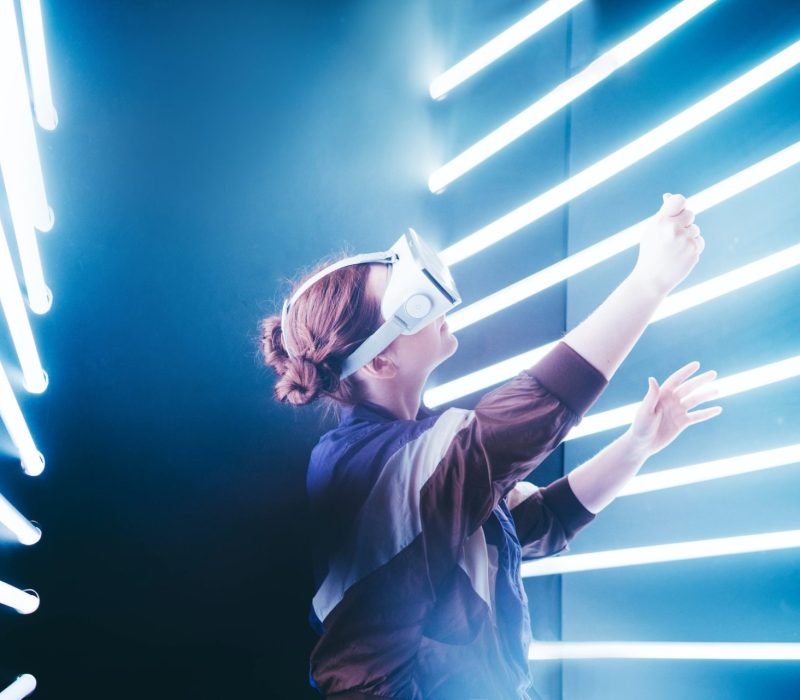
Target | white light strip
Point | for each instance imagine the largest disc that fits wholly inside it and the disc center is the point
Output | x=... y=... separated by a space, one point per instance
x=567 y=92
x=37 y=63
x=500 y=45
x=716 y=469
x=652 y=554
x=743 y=651
x=24 y=530
x=11 y=416
x=618 y=242
x=726 y=386
x=22 y=170
x=21 y=601
x=680 y=301
x=19 y=325
x=624 y=157
x=20 y=688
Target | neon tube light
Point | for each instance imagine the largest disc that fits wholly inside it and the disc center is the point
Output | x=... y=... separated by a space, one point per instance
x=500 y=45
x=22 y=601
x=567 y=92
x=11 y=416
x=24 y=530
x=624 y=157
x=743 y=651
x=37 y=63
x=22 y=170
x=726 y=386
x=18 y=323
x=659 y=553
x=20 y=688
x=716 y=469
x=618 y=242
x=673 y=304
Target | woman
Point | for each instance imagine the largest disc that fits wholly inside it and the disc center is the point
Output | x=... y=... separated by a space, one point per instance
x=422 y=517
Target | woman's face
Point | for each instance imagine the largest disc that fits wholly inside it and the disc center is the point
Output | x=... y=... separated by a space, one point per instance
x=418 y=354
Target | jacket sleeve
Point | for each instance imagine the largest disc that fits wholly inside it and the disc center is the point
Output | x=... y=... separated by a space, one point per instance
x=546 y=518
x=487 y=450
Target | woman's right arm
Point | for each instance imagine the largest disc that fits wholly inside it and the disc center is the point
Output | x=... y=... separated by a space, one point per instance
x=667 y=253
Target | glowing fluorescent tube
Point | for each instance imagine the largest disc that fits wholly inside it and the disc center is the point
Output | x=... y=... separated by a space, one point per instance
x=742 y=651
x=567 y=92
x=37 y=63
x=727 y=386
x=20 y=688
x=19 y=154
x=11 y=416
x=500 y=45
x=24 y=530
x=18 y=324
x=728 y=282
x=653 y=554
x=716 y=469
x=680 y=301
x=625 y=157
x=21 y=601
x=618 y=242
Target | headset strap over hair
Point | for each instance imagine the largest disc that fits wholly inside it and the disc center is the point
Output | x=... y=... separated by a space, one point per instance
x=383 y=256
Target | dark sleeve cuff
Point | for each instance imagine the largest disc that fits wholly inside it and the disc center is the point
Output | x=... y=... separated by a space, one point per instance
x=570 y=377
x=561 y=499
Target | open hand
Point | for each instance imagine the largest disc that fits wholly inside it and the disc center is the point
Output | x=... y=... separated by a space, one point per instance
x=663 y=413
x=670 y=245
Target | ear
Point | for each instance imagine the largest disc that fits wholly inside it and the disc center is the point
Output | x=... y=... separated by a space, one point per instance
x=382 y=366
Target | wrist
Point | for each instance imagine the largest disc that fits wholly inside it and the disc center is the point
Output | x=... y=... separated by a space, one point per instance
x=636 y=447
x=647 y=285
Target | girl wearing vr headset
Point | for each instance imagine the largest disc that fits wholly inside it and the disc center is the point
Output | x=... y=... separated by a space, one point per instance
x=421 y=517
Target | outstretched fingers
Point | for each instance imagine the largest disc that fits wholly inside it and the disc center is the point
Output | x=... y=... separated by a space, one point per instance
x=679 y=375
x=705 y=414
x=690 y=385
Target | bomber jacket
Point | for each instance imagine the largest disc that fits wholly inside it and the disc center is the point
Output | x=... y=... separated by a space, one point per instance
x=419 y=528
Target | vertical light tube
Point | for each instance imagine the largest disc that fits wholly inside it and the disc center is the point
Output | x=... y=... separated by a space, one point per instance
x=20 y=154
x=11 y=415
x=18 y=323
x=37 y=63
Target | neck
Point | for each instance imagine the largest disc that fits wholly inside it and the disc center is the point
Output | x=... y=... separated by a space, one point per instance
x=402 y=399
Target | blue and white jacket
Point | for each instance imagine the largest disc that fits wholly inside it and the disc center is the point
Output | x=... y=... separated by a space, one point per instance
x=419 y=530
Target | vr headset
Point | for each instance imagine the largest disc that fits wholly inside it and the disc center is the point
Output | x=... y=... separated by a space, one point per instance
x=420 y=289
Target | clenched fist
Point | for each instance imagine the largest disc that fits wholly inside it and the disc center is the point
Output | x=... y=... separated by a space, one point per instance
x=670 y=245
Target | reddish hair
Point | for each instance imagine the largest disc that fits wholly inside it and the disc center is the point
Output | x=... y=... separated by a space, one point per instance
x=326 y=323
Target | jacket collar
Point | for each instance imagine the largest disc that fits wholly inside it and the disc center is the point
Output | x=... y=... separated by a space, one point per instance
x=375 y=413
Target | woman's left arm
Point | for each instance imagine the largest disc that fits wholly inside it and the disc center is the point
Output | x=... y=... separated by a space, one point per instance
x=661 y=416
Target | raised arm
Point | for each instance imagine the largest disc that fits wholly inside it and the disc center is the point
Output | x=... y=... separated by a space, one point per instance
x=669 y=248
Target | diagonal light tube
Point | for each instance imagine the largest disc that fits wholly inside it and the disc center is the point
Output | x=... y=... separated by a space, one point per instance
x=744 y=651
x=652 y=554
x=22 y=168
x=680 y=301
x=715 y=469
x=567 y=92
x=37 y=64
x=20 y=600
x=19 y=325
x=624 y=157
x=24 y=530
x=23 y=686
x=504 y=42
x=619 y=242
x=726 y=386
x=11 y=416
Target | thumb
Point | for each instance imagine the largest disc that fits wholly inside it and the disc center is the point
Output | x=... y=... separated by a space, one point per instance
x=651 y=398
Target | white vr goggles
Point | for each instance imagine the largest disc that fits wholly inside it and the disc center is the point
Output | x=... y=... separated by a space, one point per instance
x=420 y=289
